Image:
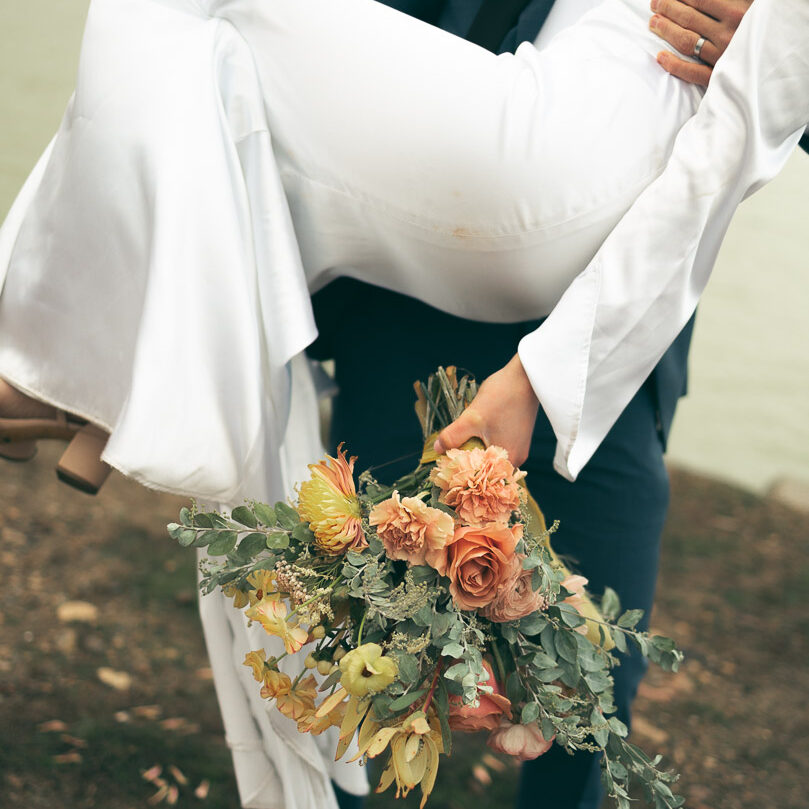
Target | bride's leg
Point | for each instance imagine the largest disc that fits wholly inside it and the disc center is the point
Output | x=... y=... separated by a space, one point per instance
x=406 y=151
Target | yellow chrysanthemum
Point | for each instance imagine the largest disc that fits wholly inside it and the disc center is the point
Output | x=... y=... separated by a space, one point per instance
x=328 y=502
x=271 y=613
x=366 y=670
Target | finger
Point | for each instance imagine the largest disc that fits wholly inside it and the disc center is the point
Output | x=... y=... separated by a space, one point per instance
x=468 y=425
x=683 y=40
x=689 y=18
x=691 y=72
x=729 y=12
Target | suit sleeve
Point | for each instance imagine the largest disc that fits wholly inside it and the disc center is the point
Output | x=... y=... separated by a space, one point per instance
x=618 y=317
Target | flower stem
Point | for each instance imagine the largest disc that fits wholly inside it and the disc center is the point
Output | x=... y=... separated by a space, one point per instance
x=432 y=688
x=359 y=631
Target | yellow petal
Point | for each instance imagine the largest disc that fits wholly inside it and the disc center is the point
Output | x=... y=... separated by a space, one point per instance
x=386 y=779
x=428 y=782
x=412 y=746
x=330 y=703
x=355 y=712
x=381 y=741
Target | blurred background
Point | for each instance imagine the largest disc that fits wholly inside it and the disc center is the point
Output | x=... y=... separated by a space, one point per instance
x=94 y=693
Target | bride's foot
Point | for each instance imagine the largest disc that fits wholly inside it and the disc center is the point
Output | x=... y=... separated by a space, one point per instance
x=24 y=421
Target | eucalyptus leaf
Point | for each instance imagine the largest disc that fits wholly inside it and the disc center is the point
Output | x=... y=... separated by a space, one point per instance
x=532 y=624
x=186 y=537
x=530 y=713
x=566 y=646
x=452 y=649
x=287 y=516
x=408 y=667
x=244 y=516
x=252 y=544
x=185 y=517
x=205 y=538
x=630 y=618
x=203 y=521
x=223 y=544
x=610 y=603
x=265 y=514
x=277 y=540
x=619 y=638
x=302 y=533
x=406 y=700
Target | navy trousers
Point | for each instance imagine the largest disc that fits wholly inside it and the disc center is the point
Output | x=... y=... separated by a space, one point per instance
x=610 y=519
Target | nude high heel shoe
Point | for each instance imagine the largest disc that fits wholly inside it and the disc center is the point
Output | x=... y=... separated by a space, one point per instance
x=80 y=465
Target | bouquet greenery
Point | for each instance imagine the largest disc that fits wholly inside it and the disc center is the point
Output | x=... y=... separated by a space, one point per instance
x=430 y=606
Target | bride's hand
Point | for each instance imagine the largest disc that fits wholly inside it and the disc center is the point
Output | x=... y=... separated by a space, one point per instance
x=682 y=23
x=503 y=413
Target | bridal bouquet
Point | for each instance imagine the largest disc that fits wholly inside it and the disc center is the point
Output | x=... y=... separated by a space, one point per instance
x=429 y=607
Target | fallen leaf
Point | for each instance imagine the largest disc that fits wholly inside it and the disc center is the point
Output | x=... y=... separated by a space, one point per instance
x=122 y=717
x=205 y=673
x=481 y=775
x=74 y=740
x=52 y=726
x=493 y=763
x=68 y=758
x=178 y=775
x=648 y=730
x=159 y=795
x=202 y=790
x=82 y=611
x=148 y=711
x=174 y=793
x=151 y=773
x=119 y=680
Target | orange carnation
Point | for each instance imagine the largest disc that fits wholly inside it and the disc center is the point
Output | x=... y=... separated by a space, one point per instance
x=479 y=562
x=412 y=530
x=480 y=484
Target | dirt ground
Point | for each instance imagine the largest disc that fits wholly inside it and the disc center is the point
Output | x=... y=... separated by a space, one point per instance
x=94 y=694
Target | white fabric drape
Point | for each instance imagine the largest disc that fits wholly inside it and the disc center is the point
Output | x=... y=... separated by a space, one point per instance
x=223 y=158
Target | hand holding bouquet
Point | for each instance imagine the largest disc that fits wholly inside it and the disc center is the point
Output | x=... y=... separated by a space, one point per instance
x=432 y=606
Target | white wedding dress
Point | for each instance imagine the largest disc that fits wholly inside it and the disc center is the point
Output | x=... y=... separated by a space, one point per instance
x=221 y=159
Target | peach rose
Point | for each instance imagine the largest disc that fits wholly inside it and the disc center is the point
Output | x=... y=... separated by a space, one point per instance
x=524 y=742
x=478 y=562
x=488 y=713
x=480 y=484
x=516 y=598
x=411 y=530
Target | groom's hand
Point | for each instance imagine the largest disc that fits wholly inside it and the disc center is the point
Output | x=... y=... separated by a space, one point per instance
x=503 y=413
x=683 y=22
